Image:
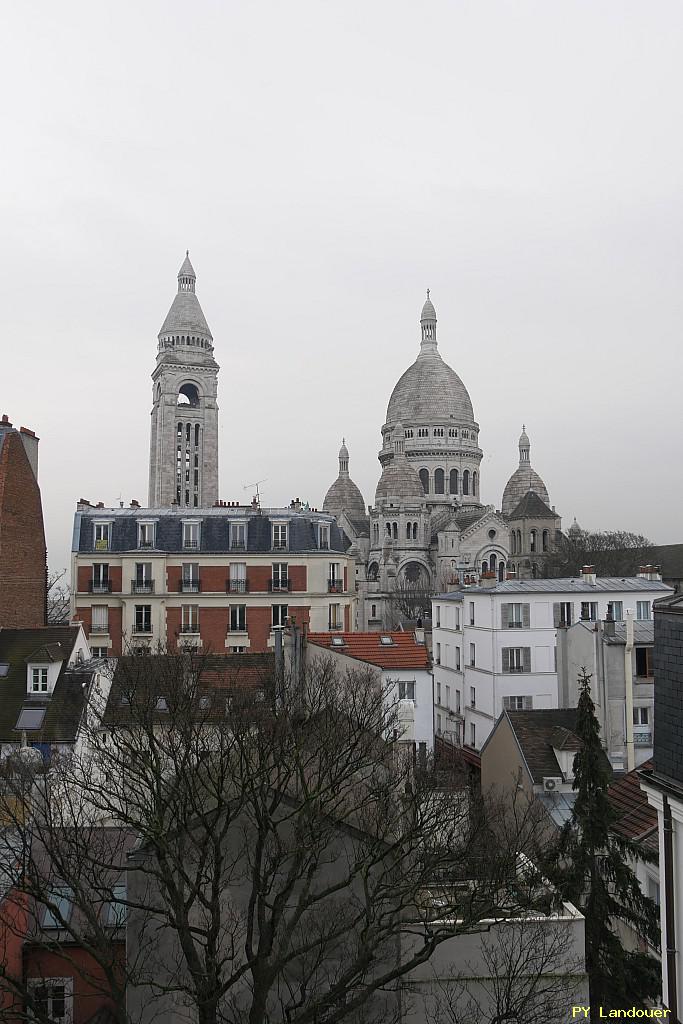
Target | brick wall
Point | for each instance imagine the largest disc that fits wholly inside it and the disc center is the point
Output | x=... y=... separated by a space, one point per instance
x=259 y=622
x=297 y=575
x=22 y=539
x=259 y=577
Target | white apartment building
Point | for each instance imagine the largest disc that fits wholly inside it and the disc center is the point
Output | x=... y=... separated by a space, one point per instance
x=494 y=646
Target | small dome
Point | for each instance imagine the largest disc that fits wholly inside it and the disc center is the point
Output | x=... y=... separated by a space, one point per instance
x=522 y=480
x=344 y=496
x=399 y=481
x=428 y=311
x=524 y=438
x=343 y=451
x=574 y=530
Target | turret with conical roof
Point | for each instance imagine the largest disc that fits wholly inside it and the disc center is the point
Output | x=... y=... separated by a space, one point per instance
x=183 y=467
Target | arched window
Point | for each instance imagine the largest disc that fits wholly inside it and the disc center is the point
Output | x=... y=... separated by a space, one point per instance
x=484 y=566
x=534 y=571
x=453 y=481
x=501 y=572
x=414 y=531
x=438 y=481
x=373 y=571
x=424 y=480
x=395 y=530
x=409 y=531
x=532 y=541
x=513 y=542
x=474 y=482
x=466 y=481
x=492 y=562
x=388 y=529
x=188 y=395
x=519 y=542
x=545 y=540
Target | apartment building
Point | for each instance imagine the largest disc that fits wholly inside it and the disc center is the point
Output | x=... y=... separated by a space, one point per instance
x=222 y=579
x=494 y=645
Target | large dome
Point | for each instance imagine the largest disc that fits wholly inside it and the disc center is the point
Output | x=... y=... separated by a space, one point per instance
x=429 y=390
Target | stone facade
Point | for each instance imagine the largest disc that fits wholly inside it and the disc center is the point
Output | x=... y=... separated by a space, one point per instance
x=23 y=579
x=183 y=467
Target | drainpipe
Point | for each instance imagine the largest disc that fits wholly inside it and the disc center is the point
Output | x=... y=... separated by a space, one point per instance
x=628 y=682
x=670 y=918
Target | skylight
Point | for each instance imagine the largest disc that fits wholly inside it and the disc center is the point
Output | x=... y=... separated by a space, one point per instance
x=4 y=669
x=337 y=641
x=162 y=704
x=387 y=641
x=30 y=719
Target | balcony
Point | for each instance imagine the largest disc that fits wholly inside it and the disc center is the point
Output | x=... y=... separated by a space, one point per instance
x=99 y=628
x=237 y=627
x=142 y=628
x=280 y=545
x=102 y=544
x=280 y=584
x=642 y=739
x=515 y=625
x=190 y=545
x=324 y=545
x=189 y=587
x=236 y=587
x=142 y=586
x=189 y=627
x=238 y=545
x=145 y=544
x=335 y=586
x=99 y=586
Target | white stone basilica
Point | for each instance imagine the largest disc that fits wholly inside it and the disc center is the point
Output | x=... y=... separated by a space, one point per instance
x=428 y=530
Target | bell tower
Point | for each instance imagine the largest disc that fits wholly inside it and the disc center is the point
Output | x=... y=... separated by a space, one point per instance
x=183 y=461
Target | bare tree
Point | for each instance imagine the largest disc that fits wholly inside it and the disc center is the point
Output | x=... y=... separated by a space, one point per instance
x=289 y=865
x=612 y=552
x=58 y=598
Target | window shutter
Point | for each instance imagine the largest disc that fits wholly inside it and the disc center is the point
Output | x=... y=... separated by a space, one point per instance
x=504 y=616
x=526 y=656
x=528 y=703
x=506 y=703
x=506 y=659
x=556 y=613
x=526 y=615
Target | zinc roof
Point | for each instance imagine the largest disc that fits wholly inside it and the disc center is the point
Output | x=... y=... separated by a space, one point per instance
x=603 y=584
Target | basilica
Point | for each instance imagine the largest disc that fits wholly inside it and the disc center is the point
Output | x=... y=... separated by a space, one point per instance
x=427 y=529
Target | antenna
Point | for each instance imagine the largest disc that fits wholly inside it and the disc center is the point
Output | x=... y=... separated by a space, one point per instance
x=257 y=496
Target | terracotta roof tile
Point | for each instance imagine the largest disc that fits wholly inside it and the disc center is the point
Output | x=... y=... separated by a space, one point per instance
x=403 y=652
x=638 y=819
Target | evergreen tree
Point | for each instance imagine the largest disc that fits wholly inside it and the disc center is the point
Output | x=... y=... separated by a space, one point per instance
x=593 y=871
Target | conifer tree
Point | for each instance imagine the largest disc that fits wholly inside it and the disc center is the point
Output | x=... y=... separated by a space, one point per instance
x=594 y=872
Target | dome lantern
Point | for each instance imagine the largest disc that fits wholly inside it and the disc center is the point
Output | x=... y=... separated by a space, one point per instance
x=428 y=326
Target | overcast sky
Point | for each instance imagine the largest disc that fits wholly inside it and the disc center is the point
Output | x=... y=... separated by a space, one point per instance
x=325 y=163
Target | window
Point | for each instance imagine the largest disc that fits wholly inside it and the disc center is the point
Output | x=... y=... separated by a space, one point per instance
x=334 y=616
x=191 y=535
x=473 y=734
x=280 y=576
x=457 y=702
x=438 y=693
x=644 y=662
x=145 y=535
x=457 y=659
x=473 y=697
x=516 y=659
x=448 y=697
x=465 y=480
x=453 y=481
x=452 y=431
x=189 y=583
x=334 y=583
x=515 y=616
x=589 y=611
x=641 y=716
x=532 y=541
x=238 y=536
x=546 y=541
x=115 y=910
x=100 y=618
x=653 y=889
x=142 y=584
x=471 y=613
x=424 y=480
x=437 y=654
x=324 y=537
x=99 y=652
x=58 y=907
x=238 y=577
x=439 y=484
x=102 y=536
x=279 y=616
x=406 y=691
x=423 y=432
x=190 y=618
x=562 y=613
x=30 y=719
x=143 y=618
x=518 y=703
x=457 y=618
x=373 y=611
x=100 y=578
x=53 y=998
x=39 y=680
x=616 y=608
x=438 y=615
x=438 y=431
x=238 y=618
x=279 y=536
x=439 y=722
x=642 y=610
x=473 y=655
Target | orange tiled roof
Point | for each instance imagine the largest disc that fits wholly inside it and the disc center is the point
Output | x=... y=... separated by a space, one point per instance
x=638 y=819
x=404 y=652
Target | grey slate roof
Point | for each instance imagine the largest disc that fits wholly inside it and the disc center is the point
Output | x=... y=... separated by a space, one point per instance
x=643 y=633
x=535 y=731
x=214 y=533
x=63 y=708
x=532 y=507
x=604 y=584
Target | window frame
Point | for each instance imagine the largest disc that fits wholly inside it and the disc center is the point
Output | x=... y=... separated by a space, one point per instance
x=43 y=673
x=35 y=984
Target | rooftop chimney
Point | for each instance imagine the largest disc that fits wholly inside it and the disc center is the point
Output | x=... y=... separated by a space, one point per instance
x=588 y=575
x=650 y=572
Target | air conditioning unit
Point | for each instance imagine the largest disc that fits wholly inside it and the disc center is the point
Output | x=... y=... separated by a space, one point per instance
x=551 y=783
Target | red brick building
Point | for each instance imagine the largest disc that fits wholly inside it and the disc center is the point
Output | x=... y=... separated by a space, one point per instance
x=22 y=535
x=222 y=579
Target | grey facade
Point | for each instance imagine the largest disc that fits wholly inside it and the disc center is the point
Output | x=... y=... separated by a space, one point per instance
x=183 y=464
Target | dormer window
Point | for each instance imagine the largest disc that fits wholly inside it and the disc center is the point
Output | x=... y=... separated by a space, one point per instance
x=280 y=536
x=238 y=536
x=324 y=537
x=102 y=536
x=39 y=679
x=191 y=534
x=146 y=535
